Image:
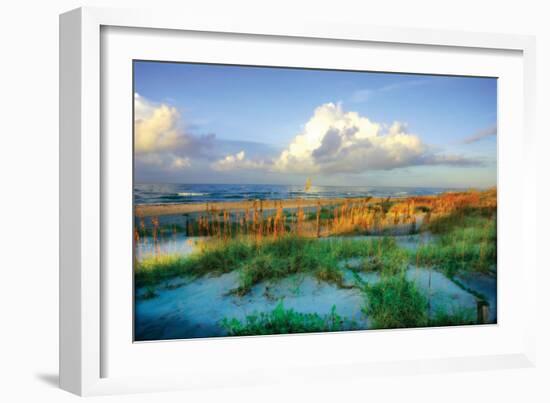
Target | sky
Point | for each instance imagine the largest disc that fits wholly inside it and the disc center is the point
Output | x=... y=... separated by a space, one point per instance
x=204 y=123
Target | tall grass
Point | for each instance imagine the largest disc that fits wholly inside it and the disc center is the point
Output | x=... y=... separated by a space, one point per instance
x=265 y=249
x=361 y=216
x=353 y=216
x=262 y=245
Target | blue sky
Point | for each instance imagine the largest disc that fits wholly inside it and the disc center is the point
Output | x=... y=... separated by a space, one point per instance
x=198 y=123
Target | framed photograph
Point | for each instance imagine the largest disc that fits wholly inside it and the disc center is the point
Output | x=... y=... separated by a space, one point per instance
x=249 y=201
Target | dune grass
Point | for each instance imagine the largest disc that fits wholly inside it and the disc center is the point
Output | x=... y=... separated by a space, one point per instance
x=466 y=241
x=395 y=302
x=284 y=321
x=464 y=229
x=271 y=259
x=215 y=260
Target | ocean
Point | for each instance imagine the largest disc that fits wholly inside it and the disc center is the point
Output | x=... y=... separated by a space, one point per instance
x=160 y=193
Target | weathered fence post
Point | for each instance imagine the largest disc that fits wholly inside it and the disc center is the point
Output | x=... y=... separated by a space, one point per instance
x=482 y=312
x=318 y=219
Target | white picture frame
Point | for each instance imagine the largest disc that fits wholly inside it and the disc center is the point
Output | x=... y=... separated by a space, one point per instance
x=85 y=343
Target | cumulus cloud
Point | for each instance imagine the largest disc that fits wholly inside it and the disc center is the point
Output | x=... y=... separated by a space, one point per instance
x=336 y=141
x=160 y=138
x=236 y=161
x=481 y=134
x=155 y=126
x=327 y=134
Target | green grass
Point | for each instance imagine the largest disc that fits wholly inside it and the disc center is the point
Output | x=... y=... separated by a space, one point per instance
x=274 y=259
x=215 y=260
x=467 y=241
x=324 y=214
x=283 y=321
x=395 y=302
x=464 y=217
x=271 y=259
x=390 y=262
x=457 y=316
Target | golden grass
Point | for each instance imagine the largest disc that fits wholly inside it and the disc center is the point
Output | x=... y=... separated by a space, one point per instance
x=361 y=216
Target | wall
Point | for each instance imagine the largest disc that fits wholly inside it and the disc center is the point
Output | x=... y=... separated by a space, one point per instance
x=29 y=187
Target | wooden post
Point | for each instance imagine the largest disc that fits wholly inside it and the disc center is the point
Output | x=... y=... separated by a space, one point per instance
x=318 y=219
x=482 y=312
x=261 y=220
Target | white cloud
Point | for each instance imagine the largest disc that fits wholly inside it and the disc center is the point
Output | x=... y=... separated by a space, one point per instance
x=179 y=162
x=327 y=133
x=237 y=161
x=160 y=140
x=336 y=141
x=155 y=126
x=163 y=160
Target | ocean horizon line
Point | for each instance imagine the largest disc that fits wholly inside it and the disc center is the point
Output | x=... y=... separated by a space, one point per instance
x=316 y=185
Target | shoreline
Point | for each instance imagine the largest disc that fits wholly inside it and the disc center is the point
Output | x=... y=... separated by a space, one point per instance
x=164 y=209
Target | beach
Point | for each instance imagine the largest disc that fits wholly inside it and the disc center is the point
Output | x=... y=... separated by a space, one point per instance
x=148 y=210
x=203 y=268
